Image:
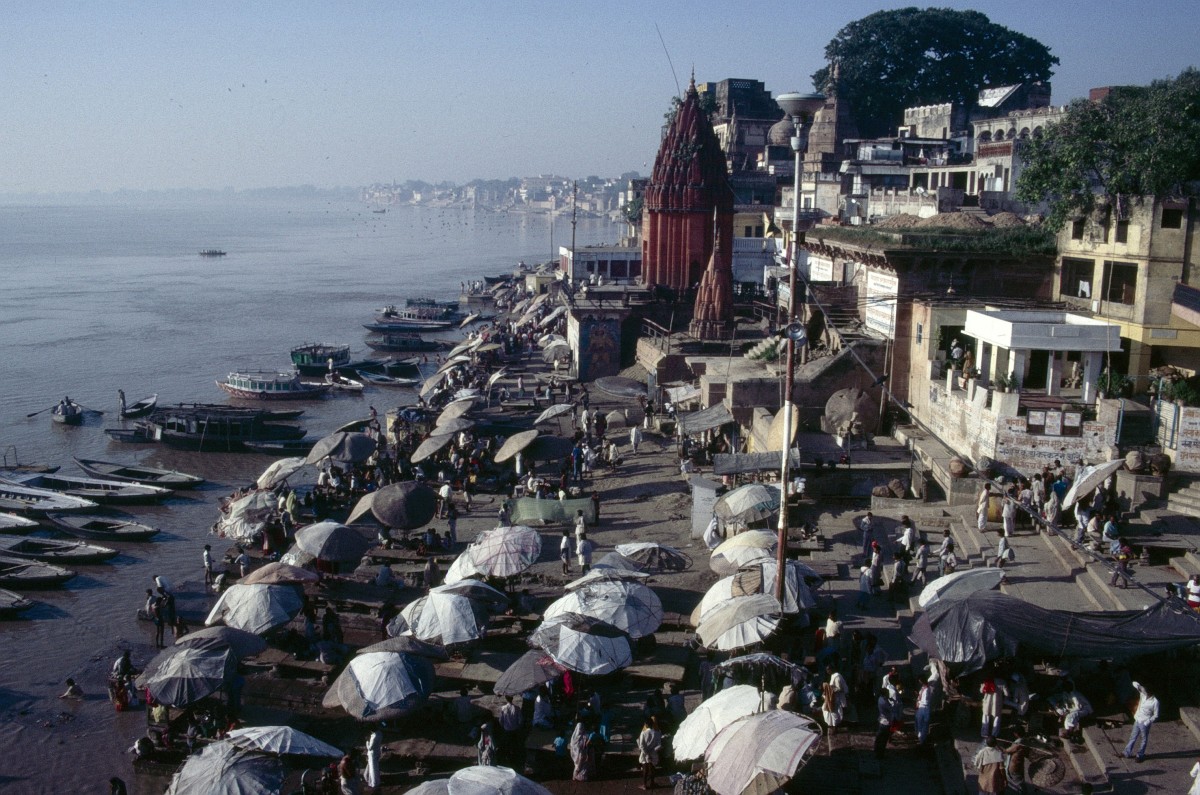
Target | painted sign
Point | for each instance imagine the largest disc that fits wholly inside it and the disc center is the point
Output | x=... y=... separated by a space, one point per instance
x=882 y=289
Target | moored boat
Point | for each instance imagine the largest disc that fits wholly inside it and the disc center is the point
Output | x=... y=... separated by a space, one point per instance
x=111 y=492
x=20 y=574
x=130 y=473
x=388 y=381
x=140 y=409
x=67 y=412
x=11 y=523
x=35 y=501
x=315 y=358
x=211 y=252
x=102 y=528
x=337 y=382
x=214 y=427
x=400 y=342
x=269 y=385
x=13 y=604
x=49 y=550
x=280 y=446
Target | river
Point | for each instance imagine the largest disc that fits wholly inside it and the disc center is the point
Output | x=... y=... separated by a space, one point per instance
x=101 y=296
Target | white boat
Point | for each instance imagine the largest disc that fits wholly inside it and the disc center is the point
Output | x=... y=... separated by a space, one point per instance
x=387 y=380
x=11 y=523
x=337 y=382
x=115 y=492
x=28 y=500
x=271 y=385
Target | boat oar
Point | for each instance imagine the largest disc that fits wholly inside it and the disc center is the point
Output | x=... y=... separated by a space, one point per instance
x=35 y=413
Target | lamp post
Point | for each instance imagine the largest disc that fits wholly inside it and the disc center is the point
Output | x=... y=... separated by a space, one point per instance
x=800 y=107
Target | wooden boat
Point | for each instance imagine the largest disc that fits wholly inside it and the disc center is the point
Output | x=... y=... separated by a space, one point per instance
x=211 y=252
x=67 y=412
x=50 y=550
x=410 y=324
x=218 y=428
x=21 y=574
x=283 y=447
x=316 y=358
x=388 y=381
x=401 y=342
x=13 y=604
x=11 y=462
x=36 y=502
x=140 y=409
x=337 y=382
x=101 y=528
x=11 y=523
x=138 y=435
x=110 y=492
x=269 y=385
x=149 y=476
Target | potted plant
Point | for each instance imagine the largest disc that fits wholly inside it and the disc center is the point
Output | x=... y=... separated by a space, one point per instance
x=1008 y=382
x=1112 y=384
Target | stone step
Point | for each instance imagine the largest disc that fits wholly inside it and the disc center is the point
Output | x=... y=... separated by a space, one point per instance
x=1183 y=503
x=1092 y=766
x=1187 y=564
x=1097 y=595
x=1130 y=598
x=1191 y=718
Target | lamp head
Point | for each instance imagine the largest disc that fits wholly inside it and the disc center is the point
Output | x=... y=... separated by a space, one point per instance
x=800 y=106
x=796 y=333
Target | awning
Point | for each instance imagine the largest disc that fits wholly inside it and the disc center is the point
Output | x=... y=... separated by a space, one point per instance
x=682 y=394
x=709 y=418
x=737 y=463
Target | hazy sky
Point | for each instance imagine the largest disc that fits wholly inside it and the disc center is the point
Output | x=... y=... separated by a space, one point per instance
x=108 y=95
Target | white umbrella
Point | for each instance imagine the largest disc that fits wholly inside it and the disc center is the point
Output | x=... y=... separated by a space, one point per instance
x=496 y=376
x=221 y=768
x=345 y=447
x=759 y=578
x=239 y=641
x=699 y=728
x=554 y=315
x=279 y=471
x=283 y=740
x=183 y=675
x=1089 y=478
x=605 y=575
x=653 y=555
x=277 y=573
x=550 y=339
x=478 y=590
x=256 y=608
x=761 y=753
x=583 y=644
x=959 y=584
x=557 y=410
x=455 y=410
x=442 y=617
x=332 y=541
x=460 y=570
x=630 y=607
x=555 y=351
x=431 y=446
x=381 y=685
x=505 y=551
x=750 y=503
x=743 y=549
x=481 y=780
x=739 y=622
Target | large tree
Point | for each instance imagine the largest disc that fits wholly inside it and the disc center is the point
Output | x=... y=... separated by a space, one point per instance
x=892 y=60
x=1138 y=141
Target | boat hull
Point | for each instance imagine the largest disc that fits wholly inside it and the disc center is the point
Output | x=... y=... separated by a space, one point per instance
x=13 y=604
x=63 y=553
x=140 y=409
x=305 y=392
x=148 y=476
x=24 y=575
x=102 y=528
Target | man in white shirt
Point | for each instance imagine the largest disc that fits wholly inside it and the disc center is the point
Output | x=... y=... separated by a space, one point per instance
x=1145 y=715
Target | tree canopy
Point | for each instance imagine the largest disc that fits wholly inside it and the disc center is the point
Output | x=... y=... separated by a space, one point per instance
x=1137 y=141
x=892 y=60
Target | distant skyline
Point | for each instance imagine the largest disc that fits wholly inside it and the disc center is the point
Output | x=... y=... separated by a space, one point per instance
x=140 y=95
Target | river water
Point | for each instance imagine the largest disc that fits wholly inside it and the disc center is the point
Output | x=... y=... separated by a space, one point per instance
x=98 y=297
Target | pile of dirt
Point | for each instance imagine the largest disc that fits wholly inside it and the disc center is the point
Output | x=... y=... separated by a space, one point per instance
x=952 y=221
x=901 y=221
x=1004 y=220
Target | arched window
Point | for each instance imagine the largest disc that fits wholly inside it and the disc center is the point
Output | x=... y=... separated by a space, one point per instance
x=985 y=137
x=1024 y=134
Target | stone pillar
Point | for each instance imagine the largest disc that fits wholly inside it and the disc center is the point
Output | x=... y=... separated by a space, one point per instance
x=983 y=358
x=1091 y=372
x=1054 y=374
x=1017 y=361
x=1139 y=360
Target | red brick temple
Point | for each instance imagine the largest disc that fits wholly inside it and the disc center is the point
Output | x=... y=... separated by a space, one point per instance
x=688 y=207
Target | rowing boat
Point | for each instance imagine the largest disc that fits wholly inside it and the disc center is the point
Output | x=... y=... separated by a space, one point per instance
x=387 y=380
x=139 y=409
x=101 y=528
x=11 y=523
x=13 y=604
x=21 y=574
x=28 y=500
x=50 y=550
x=111 y=492
x=67 y=413
x=149 y=476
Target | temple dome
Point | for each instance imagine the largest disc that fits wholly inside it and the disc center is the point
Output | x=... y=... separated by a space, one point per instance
x=781 y=133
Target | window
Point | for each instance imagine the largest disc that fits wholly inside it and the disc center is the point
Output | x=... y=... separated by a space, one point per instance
x=1077 y=229
x=1171 y=219
x=1122 y=231
x=1077 y=276
x=1122 y=282
x=920 y=333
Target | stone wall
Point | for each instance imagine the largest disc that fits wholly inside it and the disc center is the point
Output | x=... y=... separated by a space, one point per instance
x=1179 y=435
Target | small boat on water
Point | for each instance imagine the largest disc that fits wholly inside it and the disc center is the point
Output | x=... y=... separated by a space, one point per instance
x=337 y=382
x=49 y=550
x=101 y=528
x=67 y=412
x=211 y=252
x=282 y=447
x=138 y=435
x=149 y=476
x=21 y=574
x=316 y=358
x=211 y=427
x=111 y=492
x=401 y=342
x=13 y=604
x=269 y=385
x=11 y=523
x=140 y=409
x=388 y=381
x=11 y=462
x=35 y=501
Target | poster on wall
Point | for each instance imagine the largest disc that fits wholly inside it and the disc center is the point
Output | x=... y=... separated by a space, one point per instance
x=820 y=269
x=1054 y=423
x=882 y=289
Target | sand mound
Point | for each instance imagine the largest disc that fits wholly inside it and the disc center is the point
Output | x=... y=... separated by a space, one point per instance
x=1004 y=220
x=952 y=221
x=901 y=221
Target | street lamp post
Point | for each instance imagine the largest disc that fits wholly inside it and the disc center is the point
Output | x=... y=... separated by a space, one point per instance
x=800 y=107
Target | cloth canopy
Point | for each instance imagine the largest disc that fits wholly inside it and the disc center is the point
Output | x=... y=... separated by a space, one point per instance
x=381 y=685
x=222 y=768
x=283 y=740
x=629 y=606
x=739 y=463
x=987 y=625
x=256 y=608
x=705 y=419
x=761 y=753
x=682 y=394
x=701 y=726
